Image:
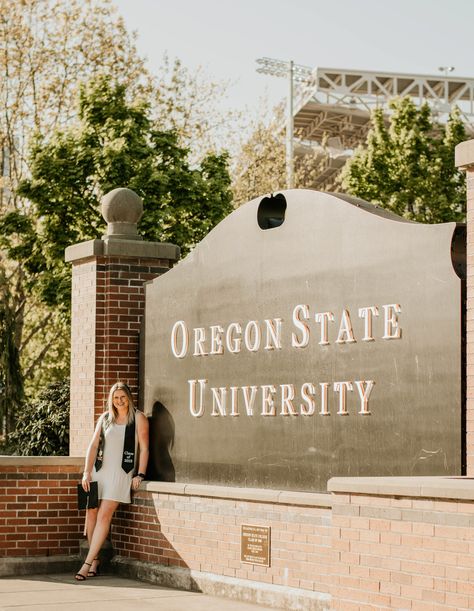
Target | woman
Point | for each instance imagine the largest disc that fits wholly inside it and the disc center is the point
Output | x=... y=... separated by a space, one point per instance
x=110 y=461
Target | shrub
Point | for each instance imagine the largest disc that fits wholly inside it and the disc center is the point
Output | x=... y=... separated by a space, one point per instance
x=42 y=426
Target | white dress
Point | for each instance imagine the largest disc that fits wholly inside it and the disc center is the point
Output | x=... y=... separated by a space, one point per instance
x=113 y=483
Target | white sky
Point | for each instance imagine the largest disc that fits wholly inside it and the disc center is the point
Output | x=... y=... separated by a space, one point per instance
x=226 y=37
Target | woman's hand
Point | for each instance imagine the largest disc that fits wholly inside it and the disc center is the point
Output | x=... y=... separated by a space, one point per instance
x=86 y=480
x=136 y=481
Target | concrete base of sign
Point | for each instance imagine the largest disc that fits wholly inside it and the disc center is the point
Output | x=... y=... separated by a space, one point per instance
x=278 y=597
x=37 y=565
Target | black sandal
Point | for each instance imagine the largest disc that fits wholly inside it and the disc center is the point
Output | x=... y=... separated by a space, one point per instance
x=80 y=576
x=94 y=573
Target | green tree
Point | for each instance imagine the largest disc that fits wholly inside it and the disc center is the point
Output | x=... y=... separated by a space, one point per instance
x=115 y=144
x=407 y=165
x=43 y=424
x=48 y=47
x=11 y=386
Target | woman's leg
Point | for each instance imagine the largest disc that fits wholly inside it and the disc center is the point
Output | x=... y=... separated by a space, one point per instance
x=101 y=530
x=91 y=520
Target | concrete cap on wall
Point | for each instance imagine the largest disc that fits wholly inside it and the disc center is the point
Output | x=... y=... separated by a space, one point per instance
x=464 y=155
x=122 y=209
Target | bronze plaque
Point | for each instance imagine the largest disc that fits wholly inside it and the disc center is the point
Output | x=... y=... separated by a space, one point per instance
x=309 y=337
x=255 y=544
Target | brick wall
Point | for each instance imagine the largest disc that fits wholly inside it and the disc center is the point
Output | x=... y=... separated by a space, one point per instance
x=202 y=533
x=120 y=308
x=375 y=543
x=108 y=300
x=403 y=551
x=38 y=506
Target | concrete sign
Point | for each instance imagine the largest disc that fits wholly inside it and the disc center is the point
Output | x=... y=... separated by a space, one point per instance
x=309 y=335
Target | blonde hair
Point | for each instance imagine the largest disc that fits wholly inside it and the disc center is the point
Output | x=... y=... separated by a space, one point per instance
x=112 y=410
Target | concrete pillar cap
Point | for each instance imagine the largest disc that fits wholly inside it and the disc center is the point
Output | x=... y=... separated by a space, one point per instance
x=464 y=155
x=122 y=209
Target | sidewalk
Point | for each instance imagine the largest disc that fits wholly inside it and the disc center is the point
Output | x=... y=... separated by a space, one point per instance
x=41 y=592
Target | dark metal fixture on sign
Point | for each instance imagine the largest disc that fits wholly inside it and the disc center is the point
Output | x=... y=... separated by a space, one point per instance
x=271 y=211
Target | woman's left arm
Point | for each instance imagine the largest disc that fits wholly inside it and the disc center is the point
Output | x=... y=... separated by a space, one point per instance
x=142 y=430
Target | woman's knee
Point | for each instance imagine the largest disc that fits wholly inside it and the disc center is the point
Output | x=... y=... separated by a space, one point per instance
x=106 y=511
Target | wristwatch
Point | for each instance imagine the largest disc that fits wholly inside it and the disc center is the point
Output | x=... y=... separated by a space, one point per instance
x=142 y=475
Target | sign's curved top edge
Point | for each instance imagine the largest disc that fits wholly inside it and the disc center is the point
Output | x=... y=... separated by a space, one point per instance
x=372 y=208
x=296 y=198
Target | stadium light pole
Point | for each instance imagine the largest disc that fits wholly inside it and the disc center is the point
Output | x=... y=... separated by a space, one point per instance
x=294 y=72
x=446 y=70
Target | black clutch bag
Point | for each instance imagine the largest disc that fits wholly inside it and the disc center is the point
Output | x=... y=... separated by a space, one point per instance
x=88 y=500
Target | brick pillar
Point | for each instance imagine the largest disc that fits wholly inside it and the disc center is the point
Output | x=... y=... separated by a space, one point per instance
x=465 y=161
x=108 y=301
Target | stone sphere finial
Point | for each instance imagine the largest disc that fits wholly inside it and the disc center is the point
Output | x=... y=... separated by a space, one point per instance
x=122 y=209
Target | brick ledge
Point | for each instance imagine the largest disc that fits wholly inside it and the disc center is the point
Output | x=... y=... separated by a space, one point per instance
x=457 y=488
x=34 y=461
x=283 y=497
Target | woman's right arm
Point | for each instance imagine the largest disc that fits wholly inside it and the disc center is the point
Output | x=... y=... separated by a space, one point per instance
x=91 y=455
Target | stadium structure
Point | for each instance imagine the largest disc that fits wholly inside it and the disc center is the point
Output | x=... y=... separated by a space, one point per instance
x=334 y=106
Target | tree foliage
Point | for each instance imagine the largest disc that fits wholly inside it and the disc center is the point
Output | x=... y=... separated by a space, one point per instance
x=43 y=424
x=11 y=386
x=115 y=144
x=260 y=165
x=189 y=103
x=50 y=48
x=407 y=165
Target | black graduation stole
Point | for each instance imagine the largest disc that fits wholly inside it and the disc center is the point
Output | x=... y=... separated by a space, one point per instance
x=128 y=455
